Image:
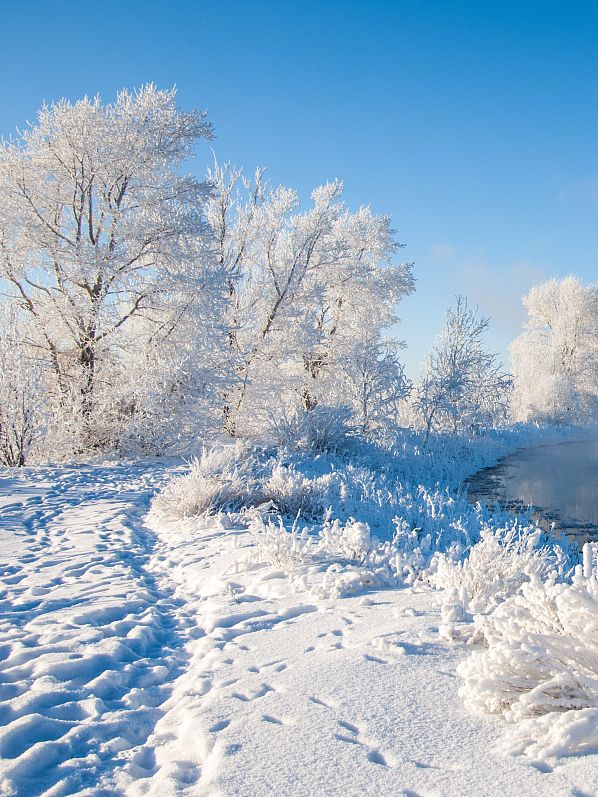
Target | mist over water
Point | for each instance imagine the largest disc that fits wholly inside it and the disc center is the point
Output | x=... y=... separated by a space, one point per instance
x=560 y=483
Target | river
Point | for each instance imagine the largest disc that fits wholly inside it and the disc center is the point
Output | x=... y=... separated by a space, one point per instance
x=559 y=482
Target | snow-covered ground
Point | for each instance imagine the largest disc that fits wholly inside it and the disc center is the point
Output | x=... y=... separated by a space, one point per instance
x=163 y=660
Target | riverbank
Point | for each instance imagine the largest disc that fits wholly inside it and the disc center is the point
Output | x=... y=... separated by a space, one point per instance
x=175 y=652
x=167 y=660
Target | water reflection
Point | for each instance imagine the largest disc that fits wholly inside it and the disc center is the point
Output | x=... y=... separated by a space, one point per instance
x=559 y=481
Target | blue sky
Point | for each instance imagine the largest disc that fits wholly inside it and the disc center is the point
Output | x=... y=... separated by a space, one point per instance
x=474 y=124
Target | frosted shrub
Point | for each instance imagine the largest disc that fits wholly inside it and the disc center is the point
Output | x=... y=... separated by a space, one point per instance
x=541 y=658
x=554 y=734
x=412 y=551
x=341 y=560
x=495 y=568
x=320 y=429
x=354 y=559
x=285 y=550
x=353 y=540
x=428 y=521
x=293 y=493
x=336 y=542
x=221 y=478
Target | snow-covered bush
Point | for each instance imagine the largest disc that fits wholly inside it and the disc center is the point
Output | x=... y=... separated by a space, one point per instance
x=554 y=734
x=232 y=478
x=285 y=550
x=432 y=521
x=541 y=655
x=293 y=493
x=349 y=542
x=221 y=478
x=342 y=559
x=319 y=429
x=497 y=566
x=352 y=540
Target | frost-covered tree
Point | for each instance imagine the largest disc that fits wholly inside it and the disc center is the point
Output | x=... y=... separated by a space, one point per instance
x=555 y=359
x=464 y=387
x=304 y=286
x=98 y=226
x=22 y=400
x=372 y=378
x=167 y=396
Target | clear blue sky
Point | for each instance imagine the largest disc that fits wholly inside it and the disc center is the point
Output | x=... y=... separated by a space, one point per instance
x=474 y=124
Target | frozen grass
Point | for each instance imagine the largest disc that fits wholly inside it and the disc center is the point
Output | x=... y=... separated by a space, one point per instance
x=376 y=515
x=342 y=559
x=323 y=429
x=406 y=494
x=220 y=478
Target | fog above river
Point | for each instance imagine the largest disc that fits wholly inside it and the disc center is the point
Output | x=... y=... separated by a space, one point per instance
x=561 y=481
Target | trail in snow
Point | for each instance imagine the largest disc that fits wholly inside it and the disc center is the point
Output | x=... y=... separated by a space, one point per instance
x=162 y=661
x=90 y=642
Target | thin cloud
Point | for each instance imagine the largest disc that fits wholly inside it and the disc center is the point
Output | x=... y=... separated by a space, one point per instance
x=576 y=191
x=443 y=251
x=499 y=293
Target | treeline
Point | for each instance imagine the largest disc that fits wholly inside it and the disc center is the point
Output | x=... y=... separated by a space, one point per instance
x=145 y=309
x=149 y=308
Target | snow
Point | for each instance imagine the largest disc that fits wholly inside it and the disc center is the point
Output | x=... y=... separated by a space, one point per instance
x=148 y=657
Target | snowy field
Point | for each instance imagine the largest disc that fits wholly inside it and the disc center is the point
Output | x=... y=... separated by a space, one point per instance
x=156 y=657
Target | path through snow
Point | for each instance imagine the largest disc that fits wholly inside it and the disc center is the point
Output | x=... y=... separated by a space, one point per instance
x=138 y=661
x=90 y=644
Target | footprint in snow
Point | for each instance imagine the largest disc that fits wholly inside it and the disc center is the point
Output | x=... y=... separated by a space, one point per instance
x=326 y=704
x=219 y=726
x=335 y=632
x=423 y=765
x=375 y=659
x=354 y=736
x=277 y=721
x=255 y=695
x=278 y=665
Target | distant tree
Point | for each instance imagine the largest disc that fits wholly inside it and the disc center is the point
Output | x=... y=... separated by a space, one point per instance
x=304 y=286
x=372 y=378
x=555 y=359
x=464 y=387
x=97 y=228
x=22 y=401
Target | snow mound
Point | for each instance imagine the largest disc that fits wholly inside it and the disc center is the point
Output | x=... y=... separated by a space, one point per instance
x=554 y=734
